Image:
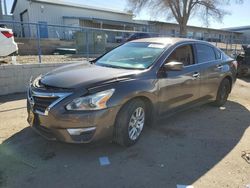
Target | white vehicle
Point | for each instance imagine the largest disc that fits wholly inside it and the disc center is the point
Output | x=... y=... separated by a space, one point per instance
x=7 y=43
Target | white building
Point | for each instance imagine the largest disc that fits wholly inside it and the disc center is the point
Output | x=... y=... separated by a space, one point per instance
x=48 y=12
x=52 y=13
x=245 y=30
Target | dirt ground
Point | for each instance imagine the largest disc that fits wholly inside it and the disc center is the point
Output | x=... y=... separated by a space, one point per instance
x=200 y=147
x=45 y=59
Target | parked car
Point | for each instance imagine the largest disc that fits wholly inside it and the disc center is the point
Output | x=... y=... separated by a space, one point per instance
x=119 y=93
x=135 y=36
x=244 y=61
x=7 y=42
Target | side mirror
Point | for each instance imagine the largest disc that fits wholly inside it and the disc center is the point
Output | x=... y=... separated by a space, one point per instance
x=174 y=66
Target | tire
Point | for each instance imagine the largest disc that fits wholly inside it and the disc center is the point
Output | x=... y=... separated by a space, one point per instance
x=223 y=93
x=242 y=72
x=126 y=121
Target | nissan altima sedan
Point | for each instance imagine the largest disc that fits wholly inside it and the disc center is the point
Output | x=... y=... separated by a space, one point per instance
x=119 y=93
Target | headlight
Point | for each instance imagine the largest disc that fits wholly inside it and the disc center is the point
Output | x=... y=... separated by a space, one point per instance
x=96 y=101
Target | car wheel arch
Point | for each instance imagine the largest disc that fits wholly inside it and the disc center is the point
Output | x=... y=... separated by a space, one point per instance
x=147 y=101
x=230 y=81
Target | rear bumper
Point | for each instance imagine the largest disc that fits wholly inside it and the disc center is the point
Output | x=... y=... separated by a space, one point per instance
x=8 y=49
x=95 y=125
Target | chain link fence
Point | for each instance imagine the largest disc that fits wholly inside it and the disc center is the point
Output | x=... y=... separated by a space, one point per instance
x=51 y=43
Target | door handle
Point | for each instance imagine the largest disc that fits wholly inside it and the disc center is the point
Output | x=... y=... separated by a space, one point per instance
x=219 y=66
x=196 y=75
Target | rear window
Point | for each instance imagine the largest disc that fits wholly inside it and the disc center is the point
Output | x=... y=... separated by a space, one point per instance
x=205 y=53
x=217 y=53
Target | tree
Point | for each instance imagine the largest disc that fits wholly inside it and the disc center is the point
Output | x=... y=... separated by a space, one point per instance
x=181 y=10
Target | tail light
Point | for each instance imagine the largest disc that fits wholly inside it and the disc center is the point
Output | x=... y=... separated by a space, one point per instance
x=235 y=63
x=7 y=34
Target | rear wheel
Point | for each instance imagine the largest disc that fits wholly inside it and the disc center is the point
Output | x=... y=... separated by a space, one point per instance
x=223 y=93
x=242 y=71
x=130 y=123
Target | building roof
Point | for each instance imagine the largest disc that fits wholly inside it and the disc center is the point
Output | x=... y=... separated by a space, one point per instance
x=241 y=28
x=189 y=26
x=69 y=4
x=114 y=22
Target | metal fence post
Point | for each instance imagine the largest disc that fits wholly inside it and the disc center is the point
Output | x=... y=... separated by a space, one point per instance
x=87 y=40
x=38 y=43
x=226 y=47
x=235 y=45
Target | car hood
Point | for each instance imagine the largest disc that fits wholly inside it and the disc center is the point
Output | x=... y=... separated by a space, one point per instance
x=84 y=75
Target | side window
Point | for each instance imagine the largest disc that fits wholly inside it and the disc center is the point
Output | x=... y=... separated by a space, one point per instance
x=205 y=53
x=182 y=54
x=217 y=53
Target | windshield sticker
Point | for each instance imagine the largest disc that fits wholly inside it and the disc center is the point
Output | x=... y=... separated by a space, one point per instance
x=156 y=46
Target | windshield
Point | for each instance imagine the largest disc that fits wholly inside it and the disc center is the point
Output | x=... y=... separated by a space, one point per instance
x=133 y=55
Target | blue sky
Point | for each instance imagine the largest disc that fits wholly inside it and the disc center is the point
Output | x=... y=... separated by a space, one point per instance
x=240 y=14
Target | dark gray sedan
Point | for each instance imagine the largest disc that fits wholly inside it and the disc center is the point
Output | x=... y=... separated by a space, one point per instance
x=119 y=93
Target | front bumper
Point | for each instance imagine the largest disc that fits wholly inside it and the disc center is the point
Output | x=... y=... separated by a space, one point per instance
x=95 y=125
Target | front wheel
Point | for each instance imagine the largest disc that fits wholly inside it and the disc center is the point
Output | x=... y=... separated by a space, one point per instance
x=130 y=123
x=223 y=93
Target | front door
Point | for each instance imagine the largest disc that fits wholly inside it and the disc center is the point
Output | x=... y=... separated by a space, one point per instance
x=43 y=29
x=178 y=88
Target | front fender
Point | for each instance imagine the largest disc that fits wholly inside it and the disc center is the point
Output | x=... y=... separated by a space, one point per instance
x=130 y=89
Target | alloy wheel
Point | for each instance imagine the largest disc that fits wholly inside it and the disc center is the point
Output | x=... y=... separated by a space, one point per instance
x=136 y=123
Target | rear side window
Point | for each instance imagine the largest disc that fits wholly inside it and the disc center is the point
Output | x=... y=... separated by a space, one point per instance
x=205 y=53
x=217 y=53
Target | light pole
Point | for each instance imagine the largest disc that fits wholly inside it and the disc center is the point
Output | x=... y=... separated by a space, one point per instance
x=1 y=10
x=5 y=7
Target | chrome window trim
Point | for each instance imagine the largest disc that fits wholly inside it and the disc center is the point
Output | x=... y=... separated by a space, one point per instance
x=60 y=96
x=192 y=43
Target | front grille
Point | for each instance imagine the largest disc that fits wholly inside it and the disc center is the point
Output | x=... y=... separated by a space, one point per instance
x=42 y=103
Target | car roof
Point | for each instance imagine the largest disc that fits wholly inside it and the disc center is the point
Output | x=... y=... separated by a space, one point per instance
x=165 y=40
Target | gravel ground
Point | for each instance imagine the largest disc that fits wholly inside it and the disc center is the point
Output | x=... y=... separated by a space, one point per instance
x=200 y=147
x=45 y=59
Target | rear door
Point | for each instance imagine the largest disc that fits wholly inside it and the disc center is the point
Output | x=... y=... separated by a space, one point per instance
x=178 y=88
x=209 y=59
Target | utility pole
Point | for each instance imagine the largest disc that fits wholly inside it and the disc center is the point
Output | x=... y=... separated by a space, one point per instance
x=5 y=7
x=1 y=10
